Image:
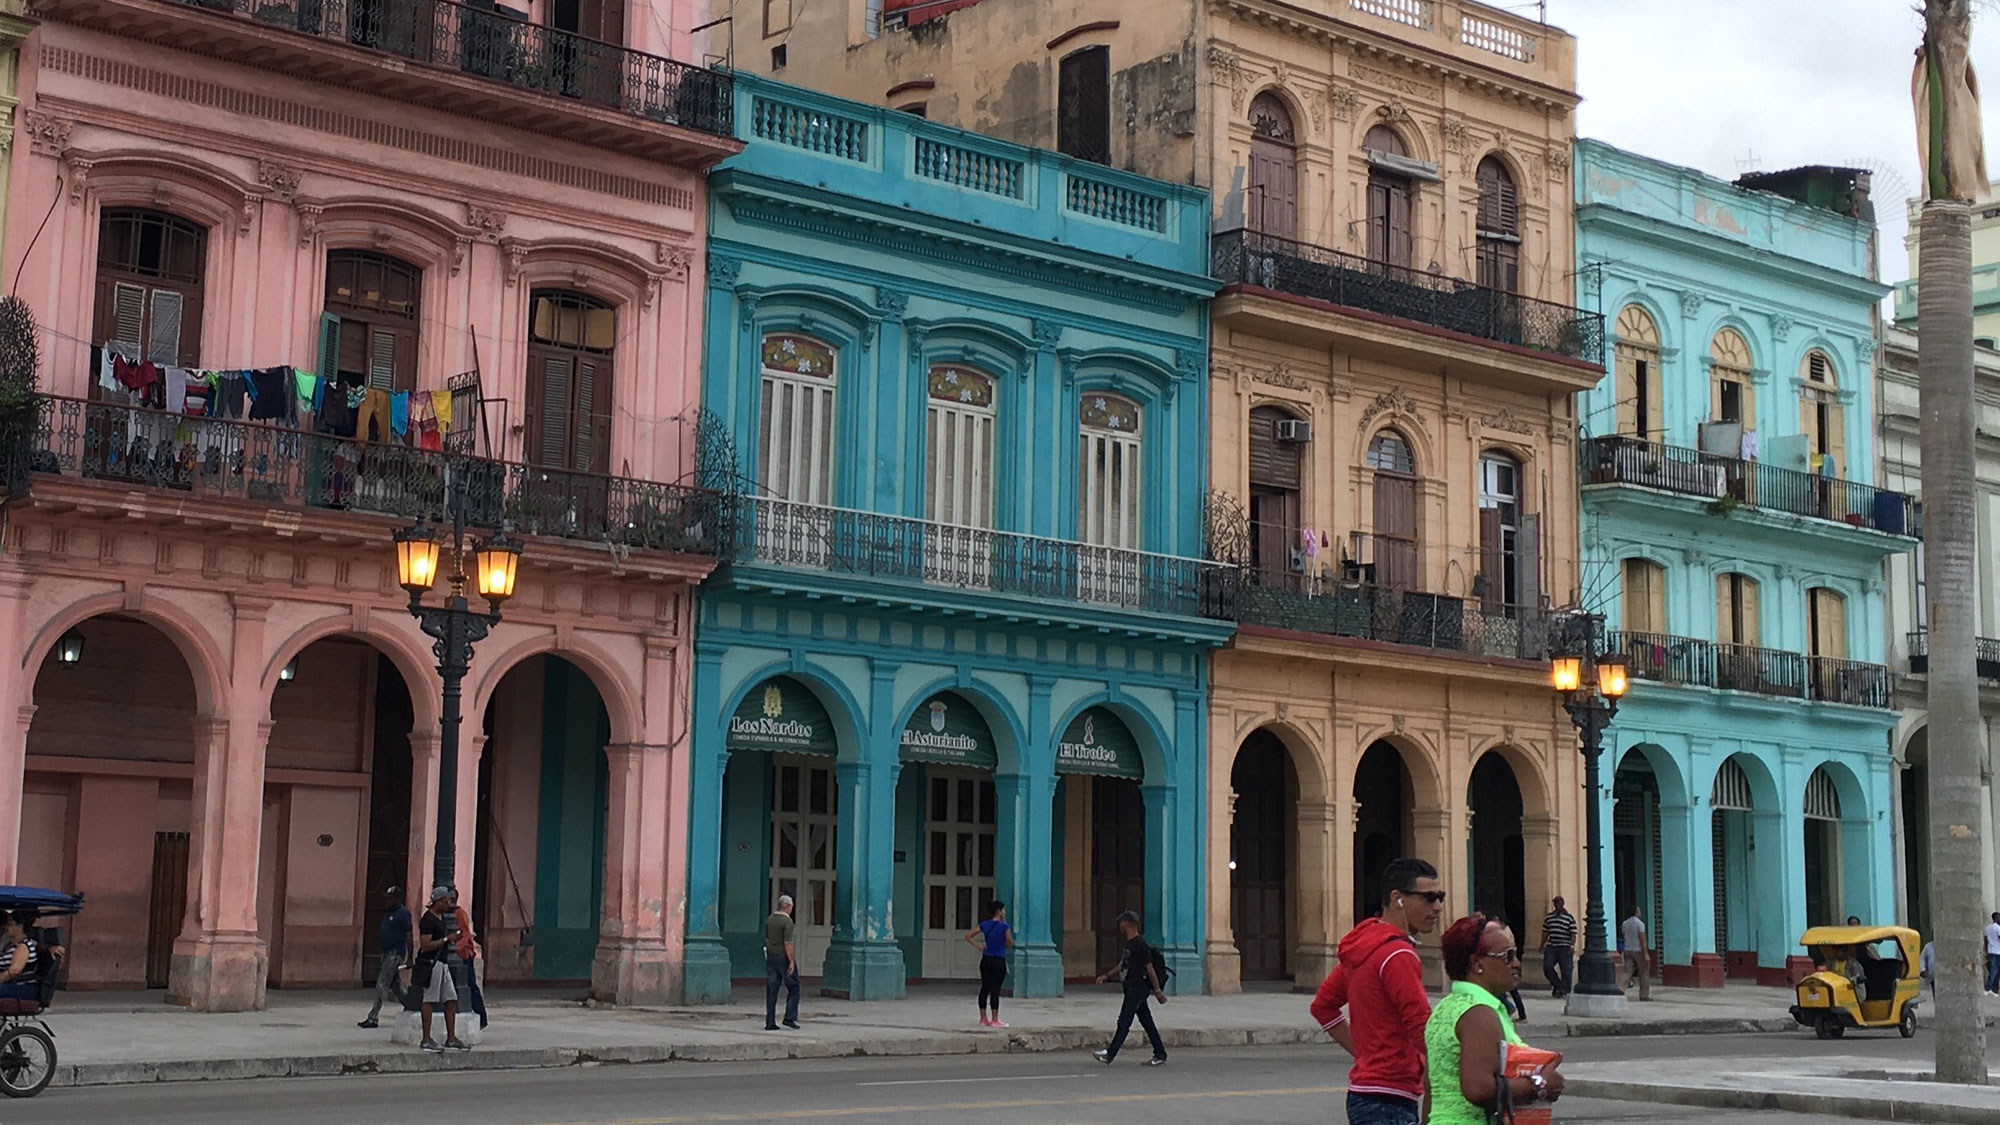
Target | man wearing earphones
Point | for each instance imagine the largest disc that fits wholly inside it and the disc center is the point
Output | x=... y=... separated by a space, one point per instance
x=1374 y=1004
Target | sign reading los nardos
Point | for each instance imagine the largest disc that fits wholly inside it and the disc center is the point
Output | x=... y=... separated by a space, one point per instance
x=782 y=716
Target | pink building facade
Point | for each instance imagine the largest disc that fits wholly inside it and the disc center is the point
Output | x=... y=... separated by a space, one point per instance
x=217 y=717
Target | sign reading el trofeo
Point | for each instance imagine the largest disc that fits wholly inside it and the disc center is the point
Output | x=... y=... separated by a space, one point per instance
x=1098 y=742
x=947 y=731
x=780 y=715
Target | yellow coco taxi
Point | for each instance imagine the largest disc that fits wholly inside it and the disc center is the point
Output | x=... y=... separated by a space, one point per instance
x=1867 y=978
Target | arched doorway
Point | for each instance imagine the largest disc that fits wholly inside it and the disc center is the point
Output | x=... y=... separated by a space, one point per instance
x=544 y=796
x=1636 y=845
x=1915 y=795
x=1263 y=839
x=1384 y=796
x=1099 y=803
x=947 y=827
x=781 y=821
x=1823 y=872
x=1496 y=849
x=1738 y=891
x=107 y=800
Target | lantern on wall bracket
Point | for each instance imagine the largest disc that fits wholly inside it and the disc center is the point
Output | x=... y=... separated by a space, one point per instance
x=69 y=648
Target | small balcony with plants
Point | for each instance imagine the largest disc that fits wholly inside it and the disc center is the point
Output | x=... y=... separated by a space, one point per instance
x=1661 y=658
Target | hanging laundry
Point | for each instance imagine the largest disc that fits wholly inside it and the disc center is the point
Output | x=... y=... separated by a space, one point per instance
x=1310 y=542
x=333 y=415
x=100 y=362
x=307 y=387
x=423 y=419
x=134 y=376
x=441 y=406
x=230 y=391
x=199 y=395
x=1749 y=450
x=272 y=393
x=374 y=409
x=177 y=381
x=399 y=413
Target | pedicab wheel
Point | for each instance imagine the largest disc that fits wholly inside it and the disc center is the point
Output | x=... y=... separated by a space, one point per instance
x=1828 y=1027
x=1908 y=1024
x=27 y=1061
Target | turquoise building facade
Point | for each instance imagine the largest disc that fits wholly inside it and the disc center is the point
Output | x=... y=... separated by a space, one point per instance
x=1733 y=539
x=960 y=652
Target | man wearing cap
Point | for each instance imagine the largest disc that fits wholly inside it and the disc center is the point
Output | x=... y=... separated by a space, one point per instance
x=394 y=938
x=433 y=970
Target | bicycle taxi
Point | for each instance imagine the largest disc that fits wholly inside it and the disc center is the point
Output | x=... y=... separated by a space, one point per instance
x=27 y=1046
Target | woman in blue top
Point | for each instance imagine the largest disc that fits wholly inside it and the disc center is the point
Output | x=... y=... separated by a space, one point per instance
x=993 y=939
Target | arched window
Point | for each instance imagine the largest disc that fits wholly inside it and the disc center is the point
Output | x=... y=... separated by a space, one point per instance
x=368 y=334
x=1272 y=207
x=1636 y=354
x=1276 y=537
x=958 y=478
x=795 y=419
x=1499 y=227
x=1643 y=602
x=1108 y=471
x=1395 y=524
x=1389 y=201
x=1509 y=540
x=1736 y=610
x=1820 y=416
x=1730 y=393
x=571 y=337
x=151 y=268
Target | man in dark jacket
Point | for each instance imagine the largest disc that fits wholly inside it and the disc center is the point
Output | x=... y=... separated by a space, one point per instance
x=1142 y=980
x=394 y=939
x=1374 y=1004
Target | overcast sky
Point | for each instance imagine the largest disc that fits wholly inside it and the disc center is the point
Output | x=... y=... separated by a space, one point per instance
x=1729 y=86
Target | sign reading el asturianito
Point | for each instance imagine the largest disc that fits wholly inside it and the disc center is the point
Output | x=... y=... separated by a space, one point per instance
x=948 y=731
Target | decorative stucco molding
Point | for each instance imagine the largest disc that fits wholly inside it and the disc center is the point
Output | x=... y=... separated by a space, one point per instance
x=723 y=271
x=279 y=180
x=487 y=223
x=48 y=135
x=1388 y=401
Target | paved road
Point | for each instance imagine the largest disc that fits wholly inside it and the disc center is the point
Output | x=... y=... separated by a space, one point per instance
x=1274 y=1085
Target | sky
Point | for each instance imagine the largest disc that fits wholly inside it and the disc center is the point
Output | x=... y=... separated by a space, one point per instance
x=1731 y=86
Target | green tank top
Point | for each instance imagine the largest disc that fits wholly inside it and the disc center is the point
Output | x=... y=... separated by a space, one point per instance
x=1448 y=1104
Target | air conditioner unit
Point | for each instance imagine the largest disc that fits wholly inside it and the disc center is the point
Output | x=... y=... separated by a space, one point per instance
x=1295 y=430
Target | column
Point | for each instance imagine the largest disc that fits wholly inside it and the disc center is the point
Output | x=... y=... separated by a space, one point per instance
x=1541 y=862
x=632 y=965
x=426 y=747
x=220 y=962
x=864 y=961
x=1346 y=813
x=1221 y=958
x=16 y=708
x=1779 y=902
x=1158 y=913
x=705 y=962
x=1315 y=951
x=1682 y=871
x=1026 y=856
x=1432 y=838
x=465 y=875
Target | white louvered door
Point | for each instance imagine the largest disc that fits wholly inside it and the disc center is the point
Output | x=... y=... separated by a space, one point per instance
x=958 y=479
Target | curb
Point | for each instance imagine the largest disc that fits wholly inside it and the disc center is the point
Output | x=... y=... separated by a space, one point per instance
x=1913 y=1108
x=403 y=1060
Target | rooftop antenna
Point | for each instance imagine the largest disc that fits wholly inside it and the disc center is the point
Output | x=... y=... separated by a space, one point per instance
x=1749 y=161
x=727 y=60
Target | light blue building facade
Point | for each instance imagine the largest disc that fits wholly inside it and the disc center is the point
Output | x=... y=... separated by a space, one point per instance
x=961 y=650
x=1732 y=538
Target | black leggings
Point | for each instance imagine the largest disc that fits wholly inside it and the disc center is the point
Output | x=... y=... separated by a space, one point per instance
x=992 y=970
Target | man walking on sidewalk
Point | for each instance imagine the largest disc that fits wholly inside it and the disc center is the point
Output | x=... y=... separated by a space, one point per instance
x=781 y=966
x=1559 y=949
x=394 y=940
x=1139 y=971
x=1632 y=939
x=1374 y=1005
x=1993 y=955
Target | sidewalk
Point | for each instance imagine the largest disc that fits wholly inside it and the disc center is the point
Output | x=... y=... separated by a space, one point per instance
x=106 y=1038
x=1843 y=1086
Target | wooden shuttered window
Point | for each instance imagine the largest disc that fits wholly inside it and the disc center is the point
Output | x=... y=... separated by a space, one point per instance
x=1394 y=524
x=149 y=287
x=1821 y=418
x=373 y=312
x=570 y=342
x=1389 y=202
x=1736 y=610
x=1273 y=204
x=958 y=450
x=1499 y=228
x=795 y=423
x=1109 y=472
x=1644 y=603
x=1275 y=476
x=1636 y=370
x=1492 y=557
x=1083 y=105
x=1826 y=613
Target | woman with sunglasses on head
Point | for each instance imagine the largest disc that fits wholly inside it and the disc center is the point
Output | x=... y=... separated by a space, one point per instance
x=1462 y=1040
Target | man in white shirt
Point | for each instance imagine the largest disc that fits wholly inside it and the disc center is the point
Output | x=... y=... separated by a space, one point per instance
x=1632 y=939
x=1993 y=955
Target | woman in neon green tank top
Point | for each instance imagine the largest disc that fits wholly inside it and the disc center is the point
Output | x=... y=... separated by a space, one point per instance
x=1462 y=1040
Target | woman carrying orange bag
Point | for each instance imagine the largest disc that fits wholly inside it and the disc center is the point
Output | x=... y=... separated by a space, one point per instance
x=1463 y=1040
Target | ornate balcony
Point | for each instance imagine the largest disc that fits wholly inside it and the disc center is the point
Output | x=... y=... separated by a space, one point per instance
x=465 y=60
x=1242 y=257
x=1690 y=661
x=899 y=549
x=255 y=463
x=1362 y=611
x=1730 y=482
x=1987 y=655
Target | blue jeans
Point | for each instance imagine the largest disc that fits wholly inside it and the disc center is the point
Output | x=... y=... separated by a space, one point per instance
x=1139 y=1004
x=1377 y=1109
x=777 y=975
x=1993 y=972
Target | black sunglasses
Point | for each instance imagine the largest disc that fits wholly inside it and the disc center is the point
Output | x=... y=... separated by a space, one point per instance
x=1435 y=898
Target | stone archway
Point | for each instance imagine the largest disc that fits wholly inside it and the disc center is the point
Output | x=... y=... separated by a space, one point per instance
x=1496 y=846
x=1385 y=799
x=1263 y=856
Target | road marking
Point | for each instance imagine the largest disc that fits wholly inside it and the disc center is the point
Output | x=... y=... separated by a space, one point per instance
x=935 y=1107
x=954 y=1081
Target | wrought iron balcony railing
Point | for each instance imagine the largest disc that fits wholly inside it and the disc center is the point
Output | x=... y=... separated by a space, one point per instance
x=1340 y=608
x=503 y=49
x=1242 y=257
x=875 y=545
x=1730 y=482
x=254 y=462
x=1986 y=655
x=1690 y=661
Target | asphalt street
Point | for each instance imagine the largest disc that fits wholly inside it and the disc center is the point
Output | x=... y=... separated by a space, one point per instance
x=1275 y=1085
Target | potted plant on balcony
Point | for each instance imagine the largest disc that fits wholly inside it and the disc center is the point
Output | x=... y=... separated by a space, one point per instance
x=1721 y=506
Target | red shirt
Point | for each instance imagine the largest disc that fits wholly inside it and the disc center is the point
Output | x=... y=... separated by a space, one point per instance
x=1378 y=989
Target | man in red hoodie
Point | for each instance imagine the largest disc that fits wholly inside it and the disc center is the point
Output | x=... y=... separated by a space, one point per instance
x=1374 y=1004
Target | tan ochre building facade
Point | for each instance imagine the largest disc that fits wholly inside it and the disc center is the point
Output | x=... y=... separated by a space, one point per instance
x=1392 y=365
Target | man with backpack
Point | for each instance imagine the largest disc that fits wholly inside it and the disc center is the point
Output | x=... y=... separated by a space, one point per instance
x=1144 y=973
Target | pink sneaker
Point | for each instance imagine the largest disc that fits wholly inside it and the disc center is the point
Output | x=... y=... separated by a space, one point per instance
x=996 y=1023
x=984 y=1022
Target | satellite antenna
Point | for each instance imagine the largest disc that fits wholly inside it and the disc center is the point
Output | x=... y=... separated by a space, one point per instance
x=1888 y=182
x=1749 y=161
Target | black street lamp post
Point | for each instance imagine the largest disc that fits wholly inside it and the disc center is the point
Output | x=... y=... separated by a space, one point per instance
x=1591 y=684
x=454 y=628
